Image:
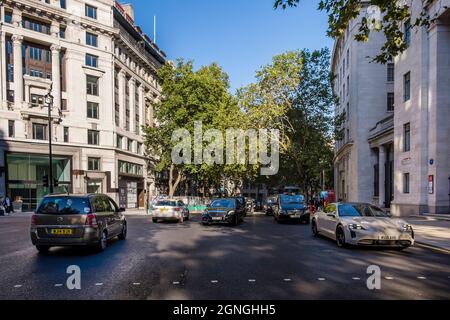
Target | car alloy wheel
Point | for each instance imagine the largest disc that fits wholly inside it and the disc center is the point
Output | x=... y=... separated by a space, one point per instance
x=340 y=237
x=123 y=234
x=102 y=242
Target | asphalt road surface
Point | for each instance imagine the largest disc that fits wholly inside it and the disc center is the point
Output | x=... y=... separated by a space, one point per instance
x=259 y=259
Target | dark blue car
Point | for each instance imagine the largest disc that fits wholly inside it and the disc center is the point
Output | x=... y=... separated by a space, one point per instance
x=291 y=208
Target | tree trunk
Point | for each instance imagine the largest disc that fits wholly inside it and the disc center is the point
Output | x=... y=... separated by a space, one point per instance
x=173 y=185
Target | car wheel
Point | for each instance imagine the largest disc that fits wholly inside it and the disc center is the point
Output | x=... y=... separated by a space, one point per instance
x=123 y=234
x=43 y=249
x=340 y=237
x=314 y=228
x=103 y=242
x=155 y=220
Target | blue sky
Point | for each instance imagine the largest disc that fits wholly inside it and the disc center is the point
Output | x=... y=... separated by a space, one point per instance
x=240 y=35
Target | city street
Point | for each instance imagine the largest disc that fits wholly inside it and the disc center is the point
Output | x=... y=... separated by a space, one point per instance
x=259 y=259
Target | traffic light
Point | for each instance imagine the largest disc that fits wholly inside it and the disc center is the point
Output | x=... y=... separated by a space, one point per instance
x=45 y=181
x=55 y=182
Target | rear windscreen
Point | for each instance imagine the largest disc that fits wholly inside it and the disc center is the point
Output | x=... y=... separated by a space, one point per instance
x=166 y=204
x=64 y=206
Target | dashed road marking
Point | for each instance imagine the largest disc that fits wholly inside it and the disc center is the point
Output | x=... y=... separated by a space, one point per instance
x=99 y=284
x=214 y=281
x=176 y=282
x=287 y=280
x=18 y=286
x=321 y=279
x=58 y=285
x=251 y=280
x=356 y=278
x=389 y=278
x=422 y=278
x=136 y=283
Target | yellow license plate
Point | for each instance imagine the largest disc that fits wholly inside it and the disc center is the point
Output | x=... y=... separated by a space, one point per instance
x=163 y=210
x=62 y=232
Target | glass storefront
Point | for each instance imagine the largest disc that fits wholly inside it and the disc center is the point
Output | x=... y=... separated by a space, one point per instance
x=25 y=174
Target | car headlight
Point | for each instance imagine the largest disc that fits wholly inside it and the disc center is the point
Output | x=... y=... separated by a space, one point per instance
x=355 y=226
x=205 y=213
x=406 y=228
x=229 y=213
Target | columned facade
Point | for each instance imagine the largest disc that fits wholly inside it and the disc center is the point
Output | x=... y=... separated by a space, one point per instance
x=88 y=64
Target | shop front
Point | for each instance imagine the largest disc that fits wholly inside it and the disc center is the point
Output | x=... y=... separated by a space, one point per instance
x=131 y=185
x=25 y=177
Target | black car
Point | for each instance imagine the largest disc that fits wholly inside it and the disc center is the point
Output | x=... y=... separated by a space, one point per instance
x=242 y=203
x=291 y=208
x=226 y=210
x=269 y=205
x=77 y=220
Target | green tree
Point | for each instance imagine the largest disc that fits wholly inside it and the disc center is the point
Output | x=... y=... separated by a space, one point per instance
x=394 y=14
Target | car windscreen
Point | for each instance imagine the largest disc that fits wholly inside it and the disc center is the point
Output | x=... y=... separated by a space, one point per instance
x=166 y=203
x=350 y=210
x=287 y=199
x=376 y=212
x=222 y=203
x=64 y=206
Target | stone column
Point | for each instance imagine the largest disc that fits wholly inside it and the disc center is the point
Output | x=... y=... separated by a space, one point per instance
x=382 y=175
x=122 y=108
x=18 y=73
x=56 y=75
x=2 y=66
x=132 y=92
x=141 y=108
x=17 y=18
x=54 y=29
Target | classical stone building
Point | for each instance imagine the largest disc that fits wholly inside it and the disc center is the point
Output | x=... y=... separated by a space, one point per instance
x=363 y=156
x=422 y=115
x=101 y=71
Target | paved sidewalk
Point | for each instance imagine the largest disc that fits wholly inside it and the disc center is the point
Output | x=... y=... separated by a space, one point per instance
x=431 y=232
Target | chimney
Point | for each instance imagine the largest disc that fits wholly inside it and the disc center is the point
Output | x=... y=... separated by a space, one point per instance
x=128 y=7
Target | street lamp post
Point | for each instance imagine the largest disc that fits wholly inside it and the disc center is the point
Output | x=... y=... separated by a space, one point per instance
x=49 y=102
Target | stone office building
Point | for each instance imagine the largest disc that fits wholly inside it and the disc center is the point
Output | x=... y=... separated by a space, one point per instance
x=101 y=71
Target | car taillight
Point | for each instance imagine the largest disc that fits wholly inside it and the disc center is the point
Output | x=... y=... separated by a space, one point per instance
x=177 y=209
x=33 y=220
x=91 y=220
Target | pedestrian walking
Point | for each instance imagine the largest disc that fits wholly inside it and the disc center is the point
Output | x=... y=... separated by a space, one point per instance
x=7 y=204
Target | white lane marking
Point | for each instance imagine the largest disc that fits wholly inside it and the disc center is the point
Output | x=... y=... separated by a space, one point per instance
x=356 y=278
x=422 y=278
x=18 y=286
x=287 y=280
x=251 y=280
x=214 y=281
x=321 y=279
x=176 y=282
x=389 y=278
x=136 y=283
x=99 y=284
x=58 y=285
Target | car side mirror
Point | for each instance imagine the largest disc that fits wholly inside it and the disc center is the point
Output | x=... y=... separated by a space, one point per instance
x=121 y=210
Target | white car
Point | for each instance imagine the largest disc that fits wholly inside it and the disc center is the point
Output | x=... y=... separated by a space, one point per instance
x=361 y=224
x=170 y=209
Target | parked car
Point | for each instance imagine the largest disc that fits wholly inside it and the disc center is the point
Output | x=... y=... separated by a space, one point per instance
x=362 y=224
x=77 y=220
x=291 y=208
x=170 y=210
x=268 y=207
x=226 y=210
x=242 y=203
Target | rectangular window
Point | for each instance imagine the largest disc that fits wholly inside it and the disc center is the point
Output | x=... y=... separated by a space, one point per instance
x=92 y=110
x=64 y=104
x=36 y=100
x=91 y=39
x=39 y=131
x=376 y=180
x=139 y=148
x=8 y=16
x=94 y=164
x=390 y=101
x=36 y=25
x=348 y=84
x=91 y=60
x=390 y=72
x=66 y=134
x=62 y=32
x=92 y=85
x=93 y=137
x=407 y=86
x=130 y=145
x=407 y=137
x=406 y=182
x=119 y=140
x=11 y=129
x=91 y=11
x=62 y=4
x=407 y=33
